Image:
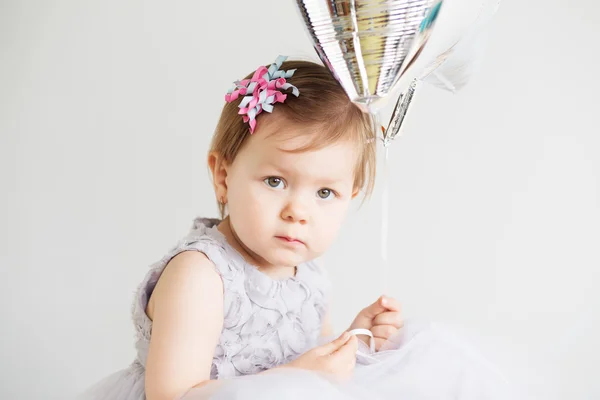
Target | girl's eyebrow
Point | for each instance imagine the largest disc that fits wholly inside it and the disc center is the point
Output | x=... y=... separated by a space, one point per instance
x=277 y=167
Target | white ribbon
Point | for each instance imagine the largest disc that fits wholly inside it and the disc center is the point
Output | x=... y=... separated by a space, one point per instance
x=371 y=342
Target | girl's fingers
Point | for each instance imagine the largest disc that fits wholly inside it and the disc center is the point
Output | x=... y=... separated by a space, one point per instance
x=379 y=342
x=335 y=345
x=393 y=318
x=383 y=331
x=374 y=309
x=390 y=303
x=348 y=349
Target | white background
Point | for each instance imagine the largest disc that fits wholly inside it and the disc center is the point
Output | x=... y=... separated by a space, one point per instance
x=106 y=111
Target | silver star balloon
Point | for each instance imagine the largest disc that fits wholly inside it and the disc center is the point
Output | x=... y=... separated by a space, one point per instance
x=369 y=44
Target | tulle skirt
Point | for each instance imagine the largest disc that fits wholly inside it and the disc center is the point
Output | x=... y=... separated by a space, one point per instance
x=423 y=361
x=127 y=384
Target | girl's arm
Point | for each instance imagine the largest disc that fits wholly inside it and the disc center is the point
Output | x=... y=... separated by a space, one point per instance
x=187 y=314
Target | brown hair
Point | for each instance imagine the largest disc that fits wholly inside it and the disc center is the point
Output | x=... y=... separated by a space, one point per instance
x=322 y=103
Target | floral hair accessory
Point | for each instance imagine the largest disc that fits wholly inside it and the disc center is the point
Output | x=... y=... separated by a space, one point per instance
x=262 y=91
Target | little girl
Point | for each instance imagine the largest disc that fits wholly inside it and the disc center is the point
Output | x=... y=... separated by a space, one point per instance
x=239 y=308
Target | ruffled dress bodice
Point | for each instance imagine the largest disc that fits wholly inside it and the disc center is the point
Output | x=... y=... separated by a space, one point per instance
x=267 y=322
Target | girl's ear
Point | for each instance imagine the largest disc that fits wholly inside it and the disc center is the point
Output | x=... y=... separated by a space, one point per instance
x=218 y=169
x=355 y=193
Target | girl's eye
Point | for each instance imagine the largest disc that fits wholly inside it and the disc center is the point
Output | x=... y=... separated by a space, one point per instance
x=274 y=182
x=324 y=193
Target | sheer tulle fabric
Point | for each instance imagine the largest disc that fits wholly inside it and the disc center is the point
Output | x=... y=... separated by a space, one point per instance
x=423 y=361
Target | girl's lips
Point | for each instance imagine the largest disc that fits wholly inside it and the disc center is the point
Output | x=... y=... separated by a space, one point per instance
x=288 y=239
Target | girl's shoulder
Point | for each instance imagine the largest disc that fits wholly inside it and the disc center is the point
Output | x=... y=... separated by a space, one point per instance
x=203 y=237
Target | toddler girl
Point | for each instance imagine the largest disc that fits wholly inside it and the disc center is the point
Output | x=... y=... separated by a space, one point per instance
x=239 y=307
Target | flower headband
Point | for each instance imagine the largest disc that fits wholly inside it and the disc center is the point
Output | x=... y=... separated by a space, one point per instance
x=261 y=91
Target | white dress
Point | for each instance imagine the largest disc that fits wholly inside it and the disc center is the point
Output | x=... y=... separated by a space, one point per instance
x=271 y=322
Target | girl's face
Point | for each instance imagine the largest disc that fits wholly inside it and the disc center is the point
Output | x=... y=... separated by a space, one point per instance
x=286 y=208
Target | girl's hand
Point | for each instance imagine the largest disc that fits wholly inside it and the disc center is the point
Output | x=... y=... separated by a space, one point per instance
x=336 y=358
x=382 y=318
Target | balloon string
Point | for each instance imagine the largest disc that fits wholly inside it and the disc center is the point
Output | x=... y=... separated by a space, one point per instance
x=384 y=202
x=384 y=220
x=384 y=205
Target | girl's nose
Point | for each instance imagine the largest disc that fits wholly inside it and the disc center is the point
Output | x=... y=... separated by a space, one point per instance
x=294 y=211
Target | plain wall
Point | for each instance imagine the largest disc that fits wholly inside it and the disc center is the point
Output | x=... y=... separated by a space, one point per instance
x=106 y=112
